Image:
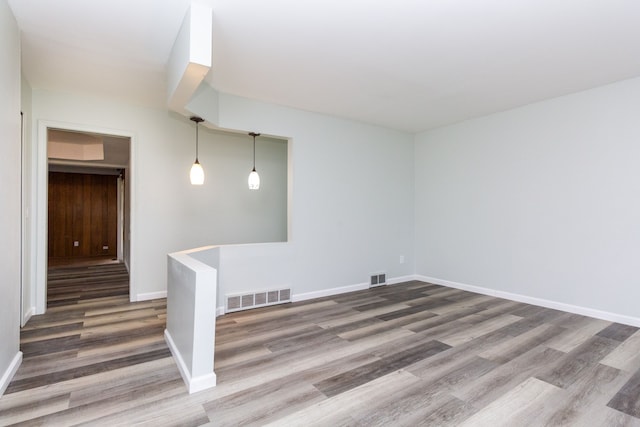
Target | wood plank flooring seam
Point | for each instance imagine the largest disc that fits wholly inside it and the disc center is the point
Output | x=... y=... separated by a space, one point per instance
x=407 y=354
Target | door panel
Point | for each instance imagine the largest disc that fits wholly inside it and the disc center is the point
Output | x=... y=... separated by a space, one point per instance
x=82 y=208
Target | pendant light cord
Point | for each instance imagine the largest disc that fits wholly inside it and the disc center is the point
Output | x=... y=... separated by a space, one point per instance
x=253 y=134
x=197 y=121
x=196 y=142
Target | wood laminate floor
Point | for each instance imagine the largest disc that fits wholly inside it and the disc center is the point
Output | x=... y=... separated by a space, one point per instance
x=409 y=354
x=80 y=261
x=68 y=285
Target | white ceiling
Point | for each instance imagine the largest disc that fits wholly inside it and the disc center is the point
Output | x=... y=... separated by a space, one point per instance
x=408 y=64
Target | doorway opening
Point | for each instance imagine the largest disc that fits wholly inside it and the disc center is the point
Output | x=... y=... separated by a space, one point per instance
x=84 y=206
x=84 y=235
x=86 y=215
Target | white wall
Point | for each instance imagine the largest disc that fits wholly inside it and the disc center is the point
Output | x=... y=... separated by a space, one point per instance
x=191 y=322
x=351 y=201
x=10 y=190
x=351 y=215
x=231 y=212
x=541 y=201
x=168 y=213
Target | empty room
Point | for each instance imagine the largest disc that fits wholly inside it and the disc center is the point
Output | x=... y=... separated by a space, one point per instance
x=328 y=213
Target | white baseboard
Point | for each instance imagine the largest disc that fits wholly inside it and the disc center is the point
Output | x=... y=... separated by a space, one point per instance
x=336 y=291
x=584 y=311
x=151 y=295
x=27 y=315
x=11 y=370
x=194 y=384
x=402 y=279
x=315 y=294
x=329 y=292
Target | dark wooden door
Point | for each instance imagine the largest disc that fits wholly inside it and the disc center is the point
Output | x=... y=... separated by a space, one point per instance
x=83 y=215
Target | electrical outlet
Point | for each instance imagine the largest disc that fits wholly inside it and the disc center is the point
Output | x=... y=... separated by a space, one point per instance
x=401 y=259
x=76 y=243
x=105 y=248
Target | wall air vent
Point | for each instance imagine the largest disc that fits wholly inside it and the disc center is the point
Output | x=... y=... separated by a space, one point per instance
x=379 y=279
x=233 y=303
x=260 y=298
x=273 y=296
x=246 y=301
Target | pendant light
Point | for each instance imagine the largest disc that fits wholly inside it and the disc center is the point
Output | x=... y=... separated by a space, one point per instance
x=254 y=178
x=197 y=173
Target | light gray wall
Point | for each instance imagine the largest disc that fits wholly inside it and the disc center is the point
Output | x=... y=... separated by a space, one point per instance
x=351 y=205
x=228 y=212
x=541 y=201
x=169 y=214
x=352 y=211
x=10 y=190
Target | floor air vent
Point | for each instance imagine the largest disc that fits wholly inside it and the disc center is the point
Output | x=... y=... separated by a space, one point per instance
x=238 y=302
x=378 y=280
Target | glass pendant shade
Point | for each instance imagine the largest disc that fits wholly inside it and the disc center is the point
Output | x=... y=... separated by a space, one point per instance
x=197 y=174
x=254 y=180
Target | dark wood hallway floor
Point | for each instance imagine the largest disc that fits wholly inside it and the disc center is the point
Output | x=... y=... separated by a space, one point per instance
x=409 y=354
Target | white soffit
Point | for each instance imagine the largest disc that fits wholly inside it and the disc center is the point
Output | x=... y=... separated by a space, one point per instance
x=190 y=58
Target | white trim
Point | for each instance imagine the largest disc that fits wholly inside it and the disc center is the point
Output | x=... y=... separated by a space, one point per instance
x=584 y=311
x=149 y=296
x=40 y=177
x=120 y=226
x=329 y=292
x=25 y=182
x=27 y=315
x=10 y=372
x=196 y=384
x=220 y=311
x=337 y=291
x=402 y=279
x=40 y=212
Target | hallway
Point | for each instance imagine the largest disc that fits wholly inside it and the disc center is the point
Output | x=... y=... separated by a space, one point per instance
x=73 y=283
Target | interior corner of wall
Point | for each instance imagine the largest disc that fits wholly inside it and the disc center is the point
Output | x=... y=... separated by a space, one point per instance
x=10 y=372
x=205 y=102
